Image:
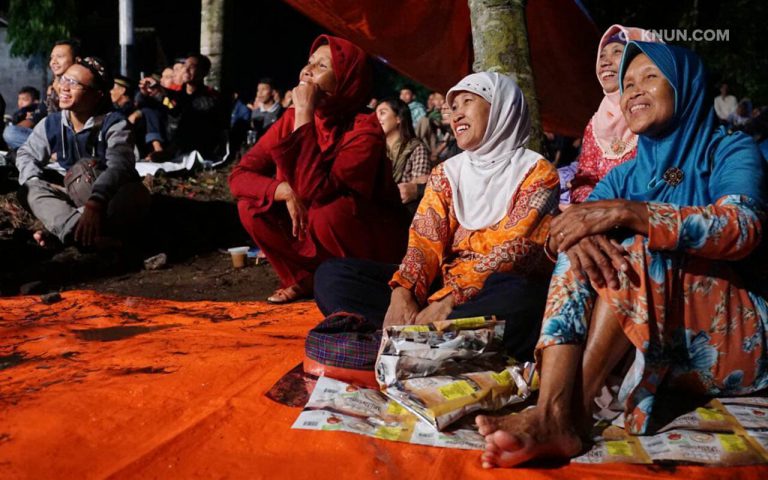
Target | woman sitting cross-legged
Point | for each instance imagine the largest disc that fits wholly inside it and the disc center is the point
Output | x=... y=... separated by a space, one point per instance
x=476 y=244
x=318 y=184
x=653 y=265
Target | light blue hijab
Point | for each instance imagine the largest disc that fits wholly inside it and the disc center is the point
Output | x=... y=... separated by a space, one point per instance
x=713 y=163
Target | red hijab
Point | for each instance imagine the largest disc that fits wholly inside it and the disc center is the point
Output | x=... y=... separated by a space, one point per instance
x=354 y=82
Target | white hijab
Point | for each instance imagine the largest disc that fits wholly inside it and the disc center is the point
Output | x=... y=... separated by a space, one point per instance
x=484 y=181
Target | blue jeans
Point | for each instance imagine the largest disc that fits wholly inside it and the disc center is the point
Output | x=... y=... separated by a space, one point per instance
x=361 y=286
x=15 y=136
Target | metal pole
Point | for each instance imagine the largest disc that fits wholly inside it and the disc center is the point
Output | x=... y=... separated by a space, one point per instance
x=126 y=37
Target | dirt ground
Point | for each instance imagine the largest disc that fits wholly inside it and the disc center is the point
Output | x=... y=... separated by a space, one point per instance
x=193 y=220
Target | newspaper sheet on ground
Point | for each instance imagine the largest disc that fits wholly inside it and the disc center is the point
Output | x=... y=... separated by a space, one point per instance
x=442 y=371
x=433 y=377
x=725 y=432
x=339 y=406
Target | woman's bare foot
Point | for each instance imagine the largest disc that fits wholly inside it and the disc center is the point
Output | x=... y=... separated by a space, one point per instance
x=528 y=435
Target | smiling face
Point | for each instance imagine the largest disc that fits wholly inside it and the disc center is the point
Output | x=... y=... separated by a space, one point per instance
x=61 y=59
x=445 y=114
x=76 y=92
x=469 y=119
x=648 y=101
x=387 y=118
x=608 y=66
x=319 y=70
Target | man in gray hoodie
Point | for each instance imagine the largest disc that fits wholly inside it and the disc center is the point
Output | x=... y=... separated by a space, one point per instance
x=103 y=192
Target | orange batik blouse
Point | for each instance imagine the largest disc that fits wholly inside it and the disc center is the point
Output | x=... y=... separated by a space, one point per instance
x=439 y=245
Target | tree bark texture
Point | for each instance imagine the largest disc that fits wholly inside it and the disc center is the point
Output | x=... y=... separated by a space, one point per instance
x=500 y=42
x=212 y=38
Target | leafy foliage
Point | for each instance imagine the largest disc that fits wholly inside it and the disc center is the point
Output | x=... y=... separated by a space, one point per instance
x=35 y=25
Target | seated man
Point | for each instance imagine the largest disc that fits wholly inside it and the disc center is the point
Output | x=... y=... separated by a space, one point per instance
x=264 y=110
x=417 y=108
x=122 y=94
x=196 y=119
x=26 y=117
x=95 y=147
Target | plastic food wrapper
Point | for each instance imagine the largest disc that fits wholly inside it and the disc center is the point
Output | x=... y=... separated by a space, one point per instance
x=445 y=370
x=339 y=406
x=701 y=447
x=725 y=432
x=707 y=418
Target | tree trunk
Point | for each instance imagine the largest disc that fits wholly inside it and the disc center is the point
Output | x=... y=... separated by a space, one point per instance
x=500 y=41
x=212 y=38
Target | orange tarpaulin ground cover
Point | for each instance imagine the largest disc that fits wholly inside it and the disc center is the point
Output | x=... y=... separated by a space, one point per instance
x=100 y=386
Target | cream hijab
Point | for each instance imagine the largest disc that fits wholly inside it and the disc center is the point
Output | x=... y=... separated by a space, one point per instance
x=484 y=181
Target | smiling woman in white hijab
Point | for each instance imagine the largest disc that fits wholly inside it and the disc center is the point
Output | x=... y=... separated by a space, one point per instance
x=476 y=243
x=501 y=162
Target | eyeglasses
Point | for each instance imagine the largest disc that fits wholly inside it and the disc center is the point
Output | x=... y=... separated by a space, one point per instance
x=72 y=83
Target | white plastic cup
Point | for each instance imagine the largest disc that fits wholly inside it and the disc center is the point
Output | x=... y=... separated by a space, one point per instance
x=239 y=255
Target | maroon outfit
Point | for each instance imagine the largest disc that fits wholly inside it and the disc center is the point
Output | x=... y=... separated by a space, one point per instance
x=338 y=168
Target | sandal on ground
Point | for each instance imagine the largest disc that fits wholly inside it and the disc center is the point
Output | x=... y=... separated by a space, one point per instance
x=288 y=295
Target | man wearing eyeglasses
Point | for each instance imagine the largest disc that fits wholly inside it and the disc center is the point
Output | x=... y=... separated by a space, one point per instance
x=102 y=193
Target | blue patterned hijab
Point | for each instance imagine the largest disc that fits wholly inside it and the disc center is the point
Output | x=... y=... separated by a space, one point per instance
x=712 y=163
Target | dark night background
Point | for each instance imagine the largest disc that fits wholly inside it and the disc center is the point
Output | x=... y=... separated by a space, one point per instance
x=269 y=38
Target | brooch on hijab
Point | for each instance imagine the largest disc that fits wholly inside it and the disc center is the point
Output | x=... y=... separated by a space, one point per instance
x=673 y=176
x=618 y=146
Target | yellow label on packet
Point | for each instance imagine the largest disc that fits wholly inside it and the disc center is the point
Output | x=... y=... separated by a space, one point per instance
x=709 y=415
x=732 y=443
x=503 y=378
x=415 y=328
x=456 y=390
x=618 y=448
x=394 y=408
x=471 y=322
x=388 y=433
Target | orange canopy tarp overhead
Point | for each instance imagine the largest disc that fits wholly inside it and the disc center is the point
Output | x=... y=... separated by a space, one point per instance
x=100 y=386
x=431 y=42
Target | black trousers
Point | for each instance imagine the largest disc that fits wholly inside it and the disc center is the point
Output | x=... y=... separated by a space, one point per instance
x=361 y=286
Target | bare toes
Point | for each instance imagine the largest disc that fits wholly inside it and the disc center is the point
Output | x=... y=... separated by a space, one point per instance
x=491 y=447
x=488 y=460
x=486 y=425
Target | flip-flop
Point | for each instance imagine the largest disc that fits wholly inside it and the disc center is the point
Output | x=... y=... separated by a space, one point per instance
x=287 y=295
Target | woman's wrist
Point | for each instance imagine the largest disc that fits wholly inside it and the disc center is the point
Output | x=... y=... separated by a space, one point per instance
x=635 y=217
x=303 y=117
x=550 y=248
x=401 y=291
x=283 y=192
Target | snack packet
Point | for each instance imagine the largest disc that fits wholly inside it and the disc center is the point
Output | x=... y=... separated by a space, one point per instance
x=442 y=371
